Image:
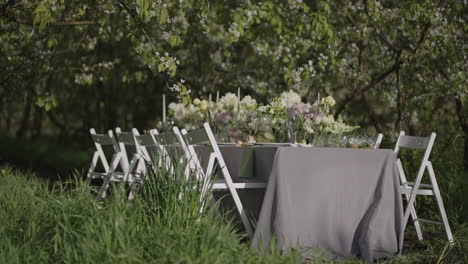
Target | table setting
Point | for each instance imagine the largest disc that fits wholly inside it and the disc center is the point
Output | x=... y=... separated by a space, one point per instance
x=328 y=192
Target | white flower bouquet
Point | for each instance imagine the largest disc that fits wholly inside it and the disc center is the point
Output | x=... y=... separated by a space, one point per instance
x=284 y=118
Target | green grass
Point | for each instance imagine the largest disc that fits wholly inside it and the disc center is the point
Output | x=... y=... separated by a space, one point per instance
x=63 y=223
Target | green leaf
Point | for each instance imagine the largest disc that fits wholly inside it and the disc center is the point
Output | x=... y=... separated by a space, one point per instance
x=51 y=43
x=161 y=67
x=163 y=15
x=174 y=40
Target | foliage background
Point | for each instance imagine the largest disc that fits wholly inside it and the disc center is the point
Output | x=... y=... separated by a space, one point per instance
x=67 y=66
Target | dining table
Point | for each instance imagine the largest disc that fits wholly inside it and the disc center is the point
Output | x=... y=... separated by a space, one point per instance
x=332 y=203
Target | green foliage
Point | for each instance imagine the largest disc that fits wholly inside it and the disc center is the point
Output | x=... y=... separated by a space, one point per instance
x=382 y=58
x=42 y=14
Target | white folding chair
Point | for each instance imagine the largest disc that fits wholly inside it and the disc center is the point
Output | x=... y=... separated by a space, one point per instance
x=99 y=141
x=143 y=157
x=170 y=148
x=125 y=139
x=378 y=141
x=189 y=165
x=110 y=173
x=410 y=190
x=137 y=166
x=192 y=164
x=202 y=136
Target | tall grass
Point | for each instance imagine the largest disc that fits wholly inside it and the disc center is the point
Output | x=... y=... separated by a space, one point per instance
x=64 y=223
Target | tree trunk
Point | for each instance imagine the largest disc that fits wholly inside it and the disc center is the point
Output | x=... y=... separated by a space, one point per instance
x=398 y=121
x=463 y=119
x=62 y=127
x=465 y=153
x=37 y=121
x=24 y=124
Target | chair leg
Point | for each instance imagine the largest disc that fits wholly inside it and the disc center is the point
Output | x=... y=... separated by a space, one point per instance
x=413 y=210
x=107 y=180
x=414 y=217
x=440 y=204
x=92 y=167
x=127 y=175
x=412 y=196
x=134 y=184
x=237 y=201
x=206 y=182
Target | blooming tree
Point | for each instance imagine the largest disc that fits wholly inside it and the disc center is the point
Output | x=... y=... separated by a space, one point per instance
x=389 y=64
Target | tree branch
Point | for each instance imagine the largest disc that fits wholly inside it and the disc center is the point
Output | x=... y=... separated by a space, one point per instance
x=373 y=117
x=56 y=23
x=375 y=80
x=138 y=24
x=4 y=7
x=55 y=121
x=422 y=37
x=462 y=118
x=381 y=37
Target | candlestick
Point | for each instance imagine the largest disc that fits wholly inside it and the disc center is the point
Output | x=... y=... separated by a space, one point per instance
x=209 y=98
x=164 y=108
x=217 y=96
x=238 y=102
x=318 y=102
x=238 y=110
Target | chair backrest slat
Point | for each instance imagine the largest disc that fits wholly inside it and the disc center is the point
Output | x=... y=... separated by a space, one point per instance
x=197 y=136
x=413 y=142
x=126 y=138
x=145 y=140
x=103 y=139
x=167 y=139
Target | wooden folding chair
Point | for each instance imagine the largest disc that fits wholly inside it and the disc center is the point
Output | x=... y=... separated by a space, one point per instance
x=202 y=136
x=110 y=173
x=411 y=189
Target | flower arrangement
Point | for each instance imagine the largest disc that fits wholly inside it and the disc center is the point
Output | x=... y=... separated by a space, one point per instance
x=284 y=118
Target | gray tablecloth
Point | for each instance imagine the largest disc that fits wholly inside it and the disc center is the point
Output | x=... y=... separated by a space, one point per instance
x=336 y=203
x=244 y=162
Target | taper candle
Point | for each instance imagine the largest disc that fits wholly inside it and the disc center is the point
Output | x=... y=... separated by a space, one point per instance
x=238 y=102
x=164 y=108
x=318 y=102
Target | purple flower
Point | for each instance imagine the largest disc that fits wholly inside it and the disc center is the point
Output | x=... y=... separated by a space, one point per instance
x=303 y=109
x=223 y=117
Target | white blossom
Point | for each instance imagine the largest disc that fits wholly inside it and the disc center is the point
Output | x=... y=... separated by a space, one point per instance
x=290 y=99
